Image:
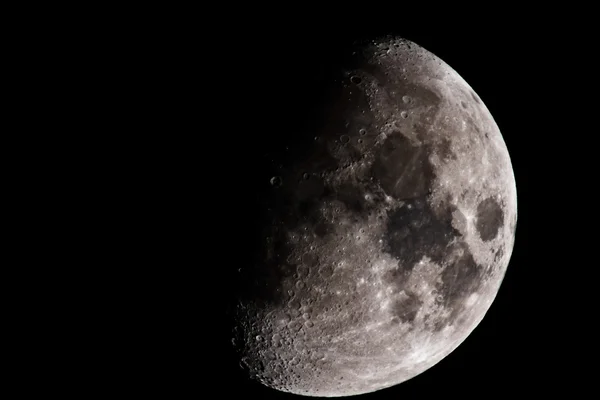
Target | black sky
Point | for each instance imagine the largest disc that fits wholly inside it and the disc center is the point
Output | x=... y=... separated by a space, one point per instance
x=157 y=116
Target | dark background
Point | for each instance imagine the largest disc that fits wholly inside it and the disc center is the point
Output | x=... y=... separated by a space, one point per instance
x=207 y=95
x=148 y=125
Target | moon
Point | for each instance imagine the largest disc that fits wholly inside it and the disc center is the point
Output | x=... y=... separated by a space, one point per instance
x=386 y=230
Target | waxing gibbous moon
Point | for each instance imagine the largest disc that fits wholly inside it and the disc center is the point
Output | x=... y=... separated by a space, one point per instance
x=385 y=236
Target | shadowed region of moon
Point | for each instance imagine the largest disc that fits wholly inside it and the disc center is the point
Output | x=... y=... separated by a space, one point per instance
x=384 y=229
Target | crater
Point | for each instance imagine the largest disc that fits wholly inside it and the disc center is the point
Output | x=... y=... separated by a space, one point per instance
x=490 y=218
x=445 y=149
x=309 y=211
x=395 y=90
x=406 y=309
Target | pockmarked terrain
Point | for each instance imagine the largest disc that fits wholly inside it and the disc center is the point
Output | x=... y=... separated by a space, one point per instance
x=386 y=240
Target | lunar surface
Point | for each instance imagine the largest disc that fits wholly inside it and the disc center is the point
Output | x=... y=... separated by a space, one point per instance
x=385 y=235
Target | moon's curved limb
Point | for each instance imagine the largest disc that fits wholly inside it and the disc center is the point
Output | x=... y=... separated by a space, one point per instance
x=386 y=243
